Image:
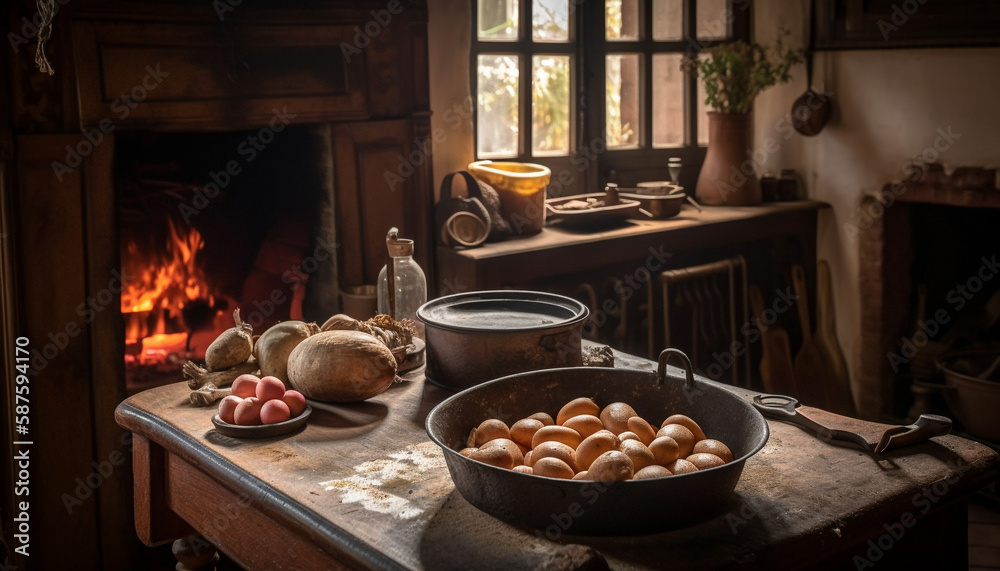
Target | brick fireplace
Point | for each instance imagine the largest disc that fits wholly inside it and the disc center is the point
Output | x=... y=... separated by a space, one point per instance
x=317 y=191
x=927 y=252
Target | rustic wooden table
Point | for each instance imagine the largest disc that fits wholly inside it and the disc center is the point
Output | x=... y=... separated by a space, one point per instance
x=361 y=485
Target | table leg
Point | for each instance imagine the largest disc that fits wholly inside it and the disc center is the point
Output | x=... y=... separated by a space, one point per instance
x=194 y=553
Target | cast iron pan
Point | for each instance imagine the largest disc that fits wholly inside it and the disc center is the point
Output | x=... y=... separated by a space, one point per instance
x=594 y=508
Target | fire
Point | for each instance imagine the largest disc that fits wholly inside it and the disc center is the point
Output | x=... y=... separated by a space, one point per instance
x=163 y=283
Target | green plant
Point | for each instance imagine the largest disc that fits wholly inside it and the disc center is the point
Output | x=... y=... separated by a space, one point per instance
x=735 y=73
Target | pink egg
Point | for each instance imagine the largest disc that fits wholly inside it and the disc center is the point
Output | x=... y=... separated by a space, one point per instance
x=295 y=400
x=248 y=412
x=227 y=408
x=245 y=386
x=270 y=388
x=273 y=411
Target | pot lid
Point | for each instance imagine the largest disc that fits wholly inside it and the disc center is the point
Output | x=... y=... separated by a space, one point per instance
x=502 y=310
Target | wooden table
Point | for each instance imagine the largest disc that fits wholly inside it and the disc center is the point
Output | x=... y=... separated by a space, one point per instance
x=557 y=250
x=362 y=486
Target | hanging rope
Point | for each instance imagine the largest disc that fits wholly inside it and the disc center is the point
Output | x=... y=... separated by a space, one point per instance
x=47 y=10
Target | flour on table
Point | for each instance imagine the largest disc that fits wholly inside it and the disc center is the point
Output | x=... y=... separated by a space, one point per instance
x=380 y=485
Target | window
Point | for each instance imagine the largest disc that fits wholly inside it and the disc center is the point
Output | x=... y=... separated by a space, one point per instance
x=594 y=89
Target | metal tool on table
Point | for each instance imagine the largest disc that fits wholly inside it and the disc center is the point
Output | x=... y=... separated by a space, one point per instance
x=843 y=430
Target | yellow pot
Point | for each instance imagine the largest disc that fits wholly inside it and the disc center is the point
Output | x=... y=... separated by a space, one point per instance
x=521 y=187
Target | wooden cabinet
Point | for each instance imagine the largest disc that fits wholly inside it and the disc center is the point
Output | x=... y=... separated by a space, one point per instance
x=200 y=75
x=381 y=178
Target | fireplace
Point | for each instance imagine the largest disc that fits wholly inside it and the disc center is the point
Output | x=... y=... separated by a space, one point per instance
x=929 y=281
x=214 y=222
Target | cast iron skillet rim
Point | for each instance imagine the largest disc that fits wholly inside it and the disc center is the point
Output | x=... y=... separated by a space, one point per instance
x=580 y=311
x=757 y=447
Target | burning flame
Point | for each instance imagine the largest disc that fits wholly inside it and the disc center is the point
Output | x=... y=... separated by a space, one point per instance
x=165 y=283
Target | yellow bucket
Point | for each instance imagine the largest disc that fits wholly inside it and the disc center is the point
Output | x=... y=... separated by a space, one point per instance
x=521 y=187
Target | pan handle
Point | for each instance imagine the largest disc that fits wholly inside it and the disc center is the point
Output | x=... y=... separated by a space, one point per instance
x=779 y=407
x=661 y=369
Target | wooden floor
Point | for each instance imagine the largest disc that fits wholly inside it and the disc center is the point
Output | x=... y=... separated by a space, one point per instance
x=984 y=536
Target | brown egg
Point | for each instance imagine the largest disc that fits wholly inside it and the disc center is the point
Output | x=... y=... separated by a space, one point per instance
x=495 y=456
x=527 y=458
x=654 y=471
x=523 y=469
x=715 y=447
x=562 y=434
x=686 y=422
x=638 y=453
x=467 y=452
x=705 y=461
x=580 y=475
x=576 y=407
x=615 y=417
x=685 y=439
x=629 y=435
x=681 y=466
x=611 y=466
x=552 y=468
x=524 y=449
x=642 y=429
x=554 y=449
x=522 y=430
x=593 y=446
x=509 y=446
x=585 y=424
x=543 y=417
x=490 y=429
x=665 y=450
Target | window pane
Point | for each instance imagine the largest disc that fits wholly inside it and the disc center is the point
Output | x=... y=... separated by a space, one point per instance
x=497 y=20
x=550 y=20
x=668 y=20
x=621 y=20
x=496 y=121
x=668 y=101
x=702 y=111
x=622 y=101
x=713 y=20
x=550 y=105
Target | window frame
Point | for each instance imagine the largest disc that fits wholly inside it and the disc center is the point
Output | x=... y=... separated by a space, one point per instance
x=588 y=158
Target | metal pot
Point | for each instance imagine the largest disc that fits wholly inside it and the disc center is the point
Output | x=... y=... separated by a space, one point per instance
x=973 y=388
x=477 y=336
x=595 y=508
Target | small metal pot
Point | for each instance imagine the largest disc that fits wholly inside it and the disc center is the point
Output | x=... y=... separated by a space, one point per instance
x=478 y=336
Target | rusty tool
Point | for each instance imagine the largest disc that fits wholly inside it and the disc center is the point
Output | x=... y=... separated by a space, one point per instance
x=843 y=430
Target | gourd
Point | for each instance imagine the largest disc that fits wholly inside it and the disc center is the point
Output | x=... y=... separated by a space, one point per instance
x=341 y=366
x=275 y=345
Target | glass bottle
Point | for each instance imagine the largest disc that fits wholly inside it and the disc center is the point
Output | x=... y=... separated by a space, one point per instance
x=410 y=291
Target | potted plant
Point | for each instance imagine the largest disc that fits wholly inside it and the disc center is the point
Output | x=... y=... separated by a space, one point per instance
x=734 y=74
